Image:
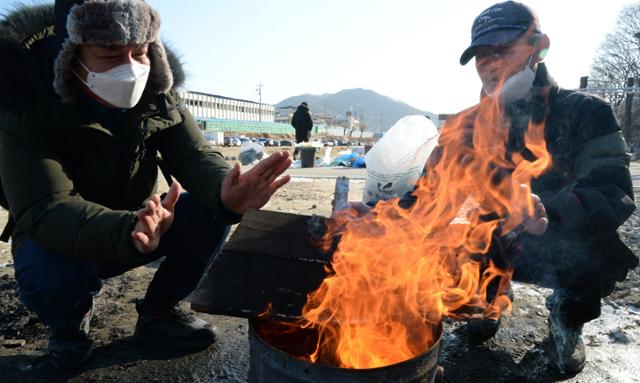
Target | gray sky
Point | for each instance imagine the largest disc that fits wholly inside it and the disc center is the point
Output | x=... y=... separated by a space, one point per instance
x=405 y=49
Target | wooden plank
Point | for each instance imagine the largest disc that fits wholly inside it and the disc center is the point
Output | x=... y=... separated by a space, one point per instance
x=341 y=194
x=268 y=261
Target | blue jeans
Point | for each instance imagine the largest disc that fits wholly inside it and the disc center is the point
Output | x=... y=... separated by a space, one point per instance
x=60 y=289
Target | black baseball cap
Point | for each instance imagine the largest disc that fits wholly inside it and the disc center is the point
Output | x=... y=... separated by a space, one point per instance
x=498 y=25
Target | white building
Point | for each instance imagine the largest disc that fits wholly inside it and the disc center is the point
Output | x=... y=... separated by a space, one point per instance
x=285 y=113
x=203 y=105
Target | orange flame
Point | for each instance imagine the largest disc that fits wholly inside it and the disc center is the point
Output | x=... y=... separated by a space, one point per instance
x=397 y=272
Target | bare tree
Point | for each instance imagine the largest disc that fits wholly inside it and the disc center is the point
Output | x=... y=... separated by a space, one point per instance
x=618 y=58
x=362 y=128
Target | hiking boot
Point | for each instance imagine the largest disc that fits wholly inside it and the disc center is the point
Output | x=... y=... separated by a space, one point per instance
x=70 y=348
x=566 y=348
x=176 y=327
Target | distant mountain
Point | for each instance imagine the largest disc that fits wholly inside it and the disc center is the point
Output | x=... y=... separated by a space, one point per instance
x=378 y=111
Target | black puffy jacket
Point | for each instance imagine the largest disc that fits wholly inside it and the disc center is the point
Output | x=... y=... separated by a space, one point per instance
x=587 y=192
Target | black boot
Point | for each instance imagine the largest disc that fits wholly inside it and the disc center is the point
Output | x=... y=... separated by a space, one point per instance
x=175 y=327
x=70 y=348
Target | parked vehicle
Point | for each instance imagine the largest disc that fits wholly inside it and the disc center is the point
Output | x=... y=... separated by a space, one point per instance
x=267 y=141
x=212 y=137
x=232 y=141
x=286 y=143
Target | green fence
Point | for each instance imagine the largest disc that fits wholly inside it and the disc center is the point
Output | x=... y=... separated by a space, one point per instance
x=235 y=126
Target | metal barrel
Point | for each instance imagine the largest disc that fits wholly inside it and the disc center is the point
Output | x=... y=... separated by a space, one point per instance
x=269 y=364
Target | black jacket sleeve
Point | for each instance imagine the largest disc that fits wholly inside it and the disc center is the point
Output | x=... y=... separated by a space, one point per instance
x=600 y=197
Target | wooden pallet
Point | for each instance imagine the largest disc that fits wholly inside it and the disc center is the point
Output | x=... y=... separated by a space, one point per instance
x=268 y=263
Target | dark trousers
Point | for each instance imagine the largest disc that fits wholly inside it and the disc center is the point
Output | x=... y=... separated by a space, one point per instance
x=60 y=289
x=577 y=271
x=301 y=136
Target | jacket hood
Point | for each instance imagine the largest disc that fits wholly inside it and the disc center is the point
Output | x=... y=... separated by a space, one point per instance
x=33 y=41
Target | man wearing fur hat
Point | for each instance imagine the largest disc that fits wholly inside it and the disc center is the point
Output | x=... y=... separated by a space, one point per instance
x=87 y=111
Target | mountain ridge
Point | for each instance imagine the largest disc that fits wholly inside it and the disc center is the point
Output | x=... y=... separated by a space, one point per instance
x=380 y=112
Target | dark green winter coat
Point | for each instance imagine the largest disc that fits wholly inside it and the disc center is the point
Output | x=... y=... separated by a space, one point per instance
x=73 y=175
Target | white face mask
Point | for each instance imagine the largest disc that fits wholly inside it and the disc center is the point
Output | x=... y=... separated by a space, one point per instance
x=518 y=85
x=121 y=86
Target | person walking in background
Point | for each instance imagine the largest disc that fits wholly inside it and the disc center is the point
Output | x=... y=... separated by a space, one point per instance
x=302 y=123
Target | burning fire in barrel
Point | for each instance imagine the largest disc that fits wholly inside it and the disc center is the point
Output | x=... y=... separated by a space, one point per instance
x=397 y=272
x=281 y=352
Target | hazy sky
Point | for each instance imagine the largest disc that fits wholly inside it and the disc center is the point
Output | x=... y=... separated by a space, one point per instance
x=405 y=49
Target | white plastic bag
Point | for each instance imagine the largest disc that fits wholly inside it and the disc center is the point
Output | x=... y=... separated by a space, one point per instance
x=326 y=160
x=395 y=163
x=250 y=152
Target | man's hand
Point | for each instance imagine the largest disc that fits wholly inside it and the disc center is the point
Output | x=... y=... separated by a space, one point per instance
x=154 y=220
x=254 y=188
x=537 y=224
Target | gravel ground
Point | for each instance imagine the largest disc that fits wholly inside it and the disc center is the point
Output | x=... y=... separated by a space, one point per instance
x=515 y=355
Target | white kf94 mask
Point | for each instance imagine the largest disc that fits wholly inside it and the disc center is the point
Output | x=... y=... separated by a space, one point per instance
x=121 y=86
x=517 y=86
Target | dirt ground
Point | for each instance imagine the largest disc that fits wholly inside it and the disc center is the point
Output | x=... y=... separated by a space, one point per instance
x=515 y=355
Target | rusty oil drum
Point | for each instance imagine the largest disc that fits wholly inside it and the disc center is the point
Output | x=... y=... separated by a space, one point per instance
x=269 y=364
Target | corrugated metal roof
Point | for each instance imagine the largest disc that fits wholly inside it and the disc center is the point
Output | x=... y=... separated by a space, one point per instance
x=224 y=97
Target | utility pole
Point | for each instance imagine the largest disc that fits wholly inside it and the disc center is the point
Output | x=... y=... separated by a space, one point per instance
x=259 y=90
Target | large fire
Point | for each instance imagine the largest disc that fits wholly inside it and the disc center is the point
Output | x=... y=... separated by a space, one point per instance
x=397 y=272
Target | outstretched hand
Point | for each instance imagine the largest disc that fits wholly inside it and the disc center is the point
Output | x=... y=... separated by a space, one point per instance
x=154 y=220
x=253 y=188
x=538 y=223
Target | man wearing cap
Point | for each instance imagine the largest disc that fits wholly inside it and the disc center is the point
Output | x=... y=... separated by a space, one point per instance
x=571 y=245
x=88 y=108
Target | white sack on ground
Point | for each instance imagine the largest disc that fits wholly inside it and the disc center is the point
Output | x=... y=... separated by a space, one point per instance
x=395 y=163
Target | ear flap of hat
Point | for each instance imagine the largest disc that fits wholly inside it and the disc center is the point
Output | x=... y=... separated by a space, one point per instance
x=63 y=77
x=160 y=78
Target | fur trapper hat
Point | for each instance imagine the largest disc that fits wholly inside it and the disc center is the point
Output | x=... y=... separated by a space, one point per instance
x=112 y=22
